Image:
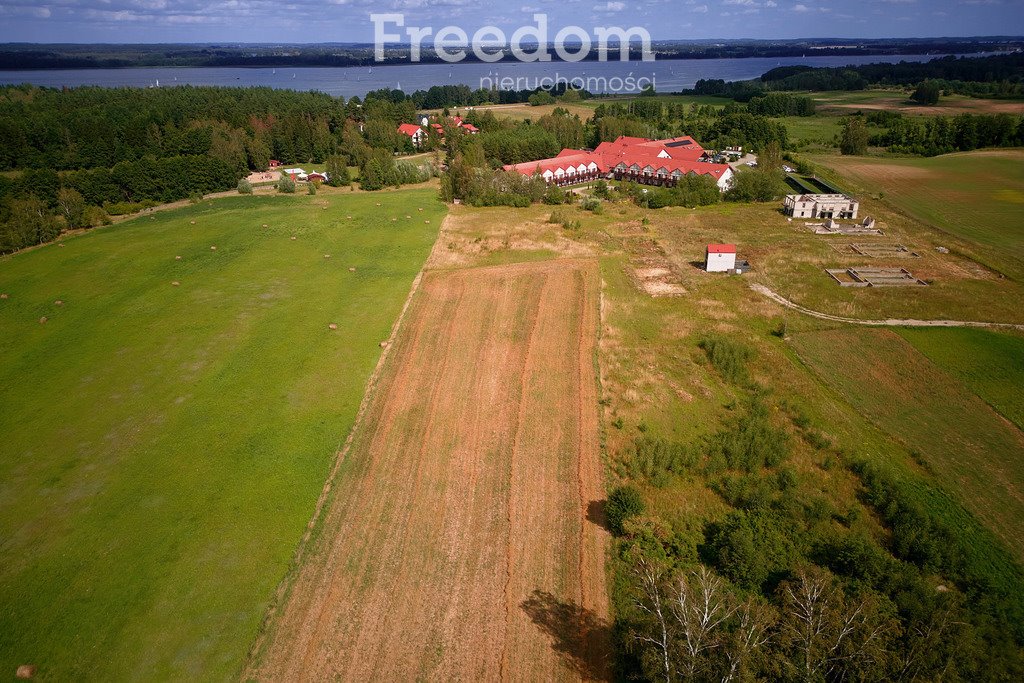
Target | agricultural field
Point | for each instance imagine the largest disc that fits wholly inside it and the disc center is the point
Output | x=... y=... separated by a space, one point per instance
x=990 y=363
x=169 y=427
x=954 y=433
x=975 y=196
x=464 y=536
x=838 y=102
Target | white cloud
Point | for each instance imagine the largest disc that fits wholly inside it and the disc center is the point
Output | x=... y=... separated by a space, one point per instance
x=610 y=7
x=801 y=8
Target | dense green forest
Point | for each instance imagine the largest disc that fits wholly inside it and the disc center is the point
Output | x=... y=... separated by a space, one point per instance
x=801 y=590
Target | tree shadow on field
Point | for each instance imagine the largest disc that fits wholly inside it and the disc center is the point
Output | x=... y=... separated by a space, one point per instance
x=581 y=638
x=596 y=514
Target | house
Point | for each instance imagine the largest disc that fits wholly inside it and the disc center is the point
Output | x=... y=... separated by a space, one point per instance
x=720 y=258
x=316 y=177
x=415 y=133
x=820 y=206
x=274 y=163
x=651 y=162
x=294 y=173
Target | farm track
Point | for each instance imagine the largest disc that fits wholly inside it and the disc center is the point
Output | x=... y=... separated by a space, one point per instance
x=887 y=322
x=461 y=541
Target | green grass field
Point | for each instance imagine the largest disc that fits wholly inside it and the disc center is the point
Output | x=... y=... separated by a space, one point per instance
x=971 y=450
x=991 y=364
x=975 y=196
x=164 y=446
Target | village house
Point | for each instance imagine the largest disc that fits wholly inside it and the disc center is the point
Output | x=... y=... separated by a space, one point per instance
x=820 y=206
x=416 y=133
x=651 y=162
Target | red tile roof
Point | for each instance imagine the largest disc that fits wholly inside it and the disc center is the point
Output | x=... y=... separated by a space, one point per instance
x=409 y=129
x=680 y=154
x=721 y=248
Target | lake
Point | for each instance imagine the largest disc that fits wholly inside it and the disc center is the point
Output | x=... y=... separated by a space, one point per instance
x=598 y=77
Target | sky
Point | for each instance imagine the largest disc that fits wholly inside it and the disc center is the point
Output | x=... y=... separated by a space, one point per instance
x=160 y=21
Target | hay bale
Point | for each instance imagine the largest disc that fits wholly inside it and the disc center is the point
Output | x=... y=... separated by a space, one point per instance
x=378 y=203
x=427 y=221
x=192 y=222
x=348 y=217
x=352 y=270
x=177 y=258
x=393 y=220
x=384 y=344
x=58 y=302
x=332 y=326
x=327 y=256
x=175 y=283
x=420 y=208
x=3 y=296
x=25 y=671
x=60 y=244
x=42 y=321
x=407 y=216
x=213 y=248
x=265 y=225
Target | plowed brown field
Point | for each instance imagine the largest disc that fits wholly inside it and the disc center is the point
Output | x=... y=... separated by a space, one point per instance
x=463 y=540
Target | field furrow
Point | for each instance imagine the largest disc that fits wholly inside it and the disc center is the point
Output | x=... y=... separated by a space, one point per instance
x=461 y=542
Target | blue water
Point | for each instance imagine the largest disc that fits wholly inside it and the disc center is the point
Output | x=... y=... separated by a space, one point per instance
x=668 y=75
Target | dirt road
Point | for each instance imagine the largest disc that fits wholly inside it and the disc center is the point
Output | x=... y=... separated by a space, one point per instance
x=887 y=322
x=463 y=539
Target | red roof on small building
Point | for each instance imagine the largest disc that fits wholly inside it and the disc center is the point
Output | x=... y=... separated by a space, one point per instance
x=409 y=129
x=721 y=248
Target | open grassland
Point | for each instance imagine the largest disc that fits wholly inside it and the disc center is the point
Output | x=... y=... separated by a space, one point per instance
x=973 y=451
x=789 y=258
x=164 y=446
x=463 y=538
x=523 y=112
x=976 y=196
x=899 y=100
x=991 y=364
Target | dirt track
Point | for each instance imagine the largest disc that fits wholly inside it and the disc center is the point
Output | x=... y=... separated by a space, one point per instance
x=887 y=322
x=463 y=541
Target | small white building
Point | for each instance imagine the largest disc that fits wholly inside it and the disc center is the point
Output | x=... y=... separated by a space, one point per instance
x=720 y=258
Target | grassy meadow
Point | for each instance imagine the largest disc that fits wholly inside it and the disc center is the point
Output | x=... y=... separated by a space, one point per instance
x=990 y=363
x=164 y=445
x=977 y=197
x=950 y=431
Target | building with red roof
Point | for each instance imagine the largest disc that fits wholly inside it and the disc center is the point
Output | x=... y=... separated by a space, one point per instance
x=720 y=258
x=651 y=162
x=415 y=133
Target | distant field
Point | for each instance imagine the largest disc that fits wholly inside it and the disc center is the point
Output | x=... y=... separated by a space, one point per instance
x=461 y=543
x=975 y=454
x=522 y=112
x=977 y=196
x=897 y=100
x=991 y=364
x=163 y=446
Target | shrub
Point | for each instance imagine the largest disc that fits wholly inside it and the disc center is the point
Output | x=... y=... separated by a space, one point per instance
x=591 y=204
x=728 y=357
x=623 y=502
x=286 y=185
x=244 y=186
x=311 y=188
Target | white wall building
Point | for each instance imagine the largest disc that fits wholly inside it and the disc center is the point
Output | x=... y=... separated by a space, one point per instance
x=720 y=258
x=820 y=206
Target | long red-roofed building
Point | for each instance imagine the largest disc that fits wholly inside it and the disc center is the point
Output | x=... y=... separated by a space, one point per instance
x=652 y=162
